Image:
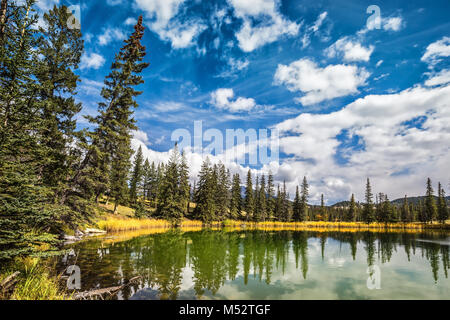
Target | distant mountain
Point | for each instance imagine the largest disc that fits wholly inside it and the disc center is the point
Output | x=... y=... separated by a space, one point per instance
x=397 y=202
x=413 y=200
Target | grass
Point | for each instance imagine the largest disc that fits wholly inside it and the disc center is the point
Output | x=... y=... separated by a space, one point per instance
x=35 y=281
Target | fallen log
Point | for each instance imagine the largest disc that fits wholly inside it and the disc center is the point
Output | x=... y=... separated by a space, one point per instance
x=8 y=284
x=99 y=293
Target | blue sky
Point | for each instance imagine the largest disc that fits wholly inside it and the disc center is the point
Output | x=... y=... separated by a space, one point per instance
x=351 y=98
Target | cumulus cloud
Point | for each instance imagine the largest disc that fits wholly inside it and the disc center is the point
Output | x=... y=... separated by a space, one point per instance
x=109 y=35
x=436 y=51
x=388 y=24
x=92 y=61
x=223 y=99
x=391 y=144
x=439 y=78
x=270 y=27
x=350 y=50
x=166 y=23
x=319 y=84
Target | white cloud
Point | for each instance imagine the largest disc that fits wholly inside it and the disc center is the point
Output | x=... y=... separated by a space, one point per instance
x=272 y=25
x=319 y=84
x=222 y=99
x=130 y=21
x=306 y=40
x=390 y=145
x=109 y=35
x=436 y=51
x=234 y=66
x=351 y=50
x=91 y=61
x=440 y=78
x=379 y=63
x=114 y=2
x=388 y=24
x=163 y=13
x=46 y=5
x=394 y=24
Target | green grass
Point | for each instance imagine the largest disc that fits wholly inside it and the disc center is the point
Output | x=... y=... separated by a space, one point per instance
x=35 y=281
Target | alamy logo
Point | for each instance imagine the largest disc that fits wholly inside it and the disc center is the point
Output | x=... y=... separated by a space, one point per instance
x=374 y=21
x=74 y=21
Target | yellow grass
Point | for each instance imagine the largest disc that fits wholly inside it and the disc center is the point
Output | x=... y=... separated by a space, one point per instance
x=115 y=224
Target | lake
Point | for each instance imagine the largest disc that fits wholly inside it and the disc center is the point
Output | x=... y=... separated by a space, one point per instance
x=255 y=264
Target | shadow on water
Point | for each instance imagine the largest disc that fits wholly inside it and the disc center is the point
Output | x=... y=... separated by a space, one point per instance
x=216 y=264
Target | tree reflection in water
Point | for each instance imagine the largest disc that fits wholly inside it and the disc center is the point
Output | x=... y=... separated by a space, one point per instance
x=177 y=264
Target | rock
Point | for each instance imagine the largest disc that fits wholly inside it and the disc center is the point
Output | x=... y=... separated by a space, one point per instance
x=94 y=231
x=79 y=233
x=71 y=238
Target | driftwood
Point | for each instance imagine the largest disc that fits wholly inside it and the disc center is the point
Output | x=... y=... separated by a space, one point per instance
x=8 y=284
x=102 y=293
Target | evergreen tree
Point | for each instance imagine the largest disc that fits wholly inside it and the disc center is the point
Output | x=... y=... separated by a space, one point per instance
x=278 y=205
x=146 y=180
x=184 y=186
x=262 y=203
x=352 y=210
x=109 y=150
x=270 y=196
x=236 y=197
x=137 y=176
x=223 y=192
x=304 y=200
x=27 y=214
x=368 y=214
x=430 y=203
x=297 y=208
x=442 y=205
x=249 y=202
x=323 y=209
x=285 y=213
x=59 y=51
x=170 y=206
x=205 y=209
x=406 y=214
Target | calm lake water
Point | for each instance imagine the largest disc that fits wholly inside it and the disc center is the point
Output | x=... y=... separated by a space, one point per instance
x=268 y=265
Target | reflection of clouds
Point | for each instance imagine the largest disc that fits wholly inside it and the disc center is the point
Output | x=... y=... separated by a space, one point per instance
x=336 y=262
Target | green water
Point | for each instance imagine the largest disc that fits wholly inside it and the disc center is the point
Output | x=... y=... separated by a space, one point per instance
x=269 y=265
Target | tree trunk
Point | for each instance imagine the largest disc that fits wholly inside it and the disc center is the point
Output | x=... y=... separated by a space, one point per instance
x=115 y=208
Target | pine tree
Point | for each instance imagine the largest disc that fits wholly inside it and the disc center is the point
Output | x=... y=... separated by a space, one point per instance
x=278 y=205
x=249 y=202
x=236 y=197
x=285 y=212
x=297 y=206
x=59 y=49
x=146 y=180
x=442 y=205
x=137 y=176
x=304 y=200
x=406 y=214
x=27 y=214
x=430 y=203
x=256 y=213
x=184 y=186
x=352 y=210
x=262 y=206
x=323 y=209
x=368 y=214
x=205 y=209
x=270 y=196
x=170 y=206
x=222 y=192
x=109 y=150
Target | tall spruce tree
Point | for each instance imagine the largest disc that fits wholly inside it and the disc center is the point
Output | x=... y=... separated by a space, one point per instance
x=137 y=176
x=170 y=206
x=205 y=209
x=352 y=210
x=107 y=161
x=442 y=205
x=59 y=49
x=368 y=213
x=27 y=214
x=262 y=203
x=430 y=203
x=270 y=196
x=236 y=198
x=304 y=200
x=297 y=206
x=249 y=202
x=406 y=214
x=184 y=186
